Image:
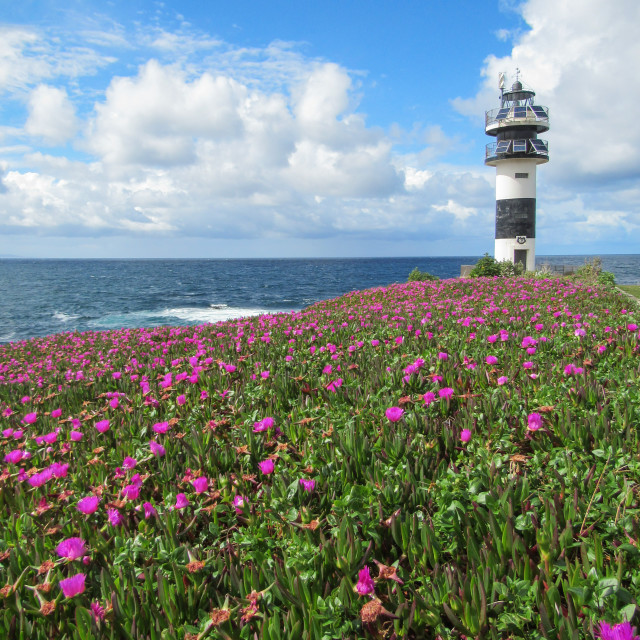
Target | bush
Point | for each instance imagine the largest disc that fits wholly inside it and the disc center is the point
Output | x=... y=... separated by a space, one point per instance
x=486 y=266
x=421 y=276
x=591 y=273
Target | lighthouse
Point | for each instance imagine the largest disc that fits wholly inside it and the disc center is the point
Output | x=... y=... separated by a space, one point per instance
x=515 y=154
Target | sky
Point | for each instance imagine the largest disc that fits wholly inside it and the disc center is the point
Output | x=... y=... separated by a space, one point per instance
x=351 y=128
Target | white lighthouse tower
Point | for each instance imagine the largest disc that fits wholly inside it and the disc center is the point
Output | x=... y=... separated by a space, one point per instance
x=515 y=155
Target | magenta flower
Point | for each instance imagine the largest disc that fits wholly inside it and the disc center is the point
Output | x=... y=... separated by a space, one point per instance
x=534 y=421
x=115 y=517
x=88 y=505
x=102 y=426
x=129 y=463
x=161 y=427
x=180 y=400
x=30 y=418
x=71 y=548
x=131 y=492
x=72 y=586
x=443 y=356
x=465 y=435
x=200 y=484
x=148 y=510
x=503 y=380
x=267 y=466
x=263 y=425
x=446 y=393
x=621 y=631
x=181 y=501
x=13 y=457
x=239 y=503
x=365 y=584
x=429 y=397
x=56 y=413
x=97 y=611
x=308 y=485
x=76 y=436
x=394 y=414
x=157 y=449
x=491 y=360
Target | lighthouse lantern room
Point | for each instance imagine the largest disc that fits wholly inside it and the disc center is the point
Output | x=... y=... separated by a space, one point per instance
x=515 y=154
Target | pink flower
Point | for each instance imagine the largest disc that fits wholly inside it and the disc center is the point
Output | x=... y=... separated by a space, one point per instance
x=73 y=586
x=263 y=425
x=394 y=414
x=88 y=505
x=308 y=485
x=13 y=457
x=157 y=449
x=131 y=492
x=180 y=400
x=148 y=510
x=129 y=463
x=534 y=421
x=465 y=435
x=115 y=517
x=71 y=548
x=50 y=438
x=429 y=397
x=76 y=436
x=267 y=466
x=200 y=484
x=97 y=611
x=30 y=418
x=102 y=426
x=446 y=392
x=181 y=501
x=491 y=360
x=113 y=403
x=621 y=631
x=161 y=427
x=443 y=356
x=56 y=413
x=503 y=380
x=239 y=502
x=264 y=375
x=365 y=584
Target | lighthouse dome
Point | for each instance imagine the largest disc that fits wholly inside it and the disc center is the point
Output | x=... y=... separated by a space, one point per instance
x=517 y=86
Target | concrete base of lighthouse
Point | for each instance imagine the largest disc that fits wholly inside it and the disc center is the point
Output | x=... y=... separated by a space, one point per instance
x=510 y=249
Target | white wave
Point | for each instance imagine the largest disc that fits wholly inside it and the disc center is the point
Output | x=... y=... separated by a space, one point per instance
x=7 y=337
x=212 y=314
x=179 y=315
x=61 y=316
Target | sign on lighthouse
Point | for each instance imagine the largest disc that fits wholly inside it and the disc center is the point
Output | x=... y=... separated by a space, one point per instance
x=516 y=154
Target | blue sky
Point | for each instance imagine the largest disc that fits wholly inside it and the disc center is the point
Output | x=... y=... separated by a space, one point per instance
x=254 y=129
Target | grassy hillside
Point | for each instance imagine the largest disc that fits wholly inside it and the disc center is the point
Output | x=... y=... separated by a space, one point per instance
x=431 y=460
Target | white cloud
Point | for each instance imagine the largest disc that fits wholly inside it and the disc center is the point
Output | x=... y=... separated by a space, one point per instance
x=51 y=115
x=210 y=141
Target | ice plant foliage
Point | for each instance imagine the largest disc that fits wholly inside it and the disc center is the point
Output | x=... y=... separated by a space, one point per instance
x=476 y=439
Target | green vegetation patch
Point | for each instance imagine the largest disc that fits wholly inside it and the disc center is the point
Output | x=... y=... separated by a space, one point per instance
x=455 y=459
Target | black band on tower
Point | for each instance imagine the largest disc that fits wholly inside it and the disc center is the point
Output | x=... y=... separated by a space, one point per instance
x=515 y=217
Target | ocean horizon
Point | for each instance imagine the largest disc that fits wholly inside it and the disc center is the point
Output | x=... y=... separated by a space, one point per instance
x=44 y=296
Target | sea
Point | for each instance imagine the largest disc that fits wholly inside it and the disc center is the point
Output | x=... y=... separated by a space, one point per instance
x=42 y=297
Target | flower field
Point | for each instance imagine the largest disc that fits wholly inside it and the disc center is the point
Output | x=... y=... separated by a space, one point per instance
x=455 y=459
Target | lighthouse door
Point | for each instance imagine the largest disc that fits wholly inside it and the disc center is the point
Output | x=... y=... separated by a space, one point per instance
x=520 y=257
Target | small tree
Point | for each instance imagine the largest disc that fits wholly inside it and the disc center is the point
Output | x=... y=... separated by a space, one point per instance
x=486 y=266
x=421 y=276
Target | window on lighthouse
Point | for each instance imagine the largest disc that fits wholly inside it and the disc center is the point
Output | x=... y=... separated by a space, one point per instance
x=522 y=175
